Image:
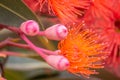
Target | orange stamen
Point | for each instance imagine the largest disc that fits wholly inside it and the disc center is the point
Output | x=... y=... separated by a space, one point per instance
x=69 y=11
x=84 y=49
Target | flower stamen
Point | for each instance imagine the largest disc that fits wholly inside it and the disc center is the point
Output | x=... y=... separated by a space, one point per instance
x=84 y=50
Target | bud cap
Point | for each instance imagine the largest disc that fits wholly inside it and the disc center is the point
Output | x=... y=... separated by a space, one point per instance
x=56 y=32
x=58 y=62
x=30 y=28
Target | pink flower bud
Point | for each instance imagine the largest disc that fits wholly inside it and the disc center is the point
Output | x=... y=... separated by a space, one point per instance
x=58 y=62
x=30 y=28
x=56 y=32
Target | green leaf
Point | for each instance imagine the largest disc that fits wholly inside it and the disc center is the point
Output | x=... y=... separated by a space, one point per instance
x=14 y=12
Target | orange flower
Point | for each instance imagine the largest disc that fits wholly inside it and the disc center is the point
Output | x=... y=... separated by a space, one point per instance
x=84 y=50
x=68 y=11
x=32 y=4
x=100 y=12
x=106 y=20
x=38 y=6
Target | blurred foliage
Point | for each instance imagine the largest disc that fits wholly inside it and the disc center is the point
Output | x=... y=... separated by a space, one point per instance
x=13 y=12
x=49 y=74
x=14 y=75
x=30 y=75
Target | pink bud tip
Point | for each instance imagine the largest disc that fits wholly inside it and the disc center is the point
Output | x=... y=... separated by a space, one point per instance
x=30 y=28
x=56 y=32
x=58 y=62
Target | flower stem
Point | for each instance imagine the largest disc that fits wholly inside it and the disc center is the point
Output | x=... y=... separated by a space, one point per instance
x=41 y=33
x=11 y=28
x=8 y=42
x=33 y=46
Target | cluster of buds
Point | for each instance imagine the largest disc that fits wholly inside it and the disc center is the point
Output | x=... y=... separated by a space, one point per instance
x=55 y=32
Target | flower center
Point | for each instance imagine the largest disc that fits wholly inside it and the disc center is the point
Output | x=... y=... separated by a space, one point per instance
x=117 y=25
